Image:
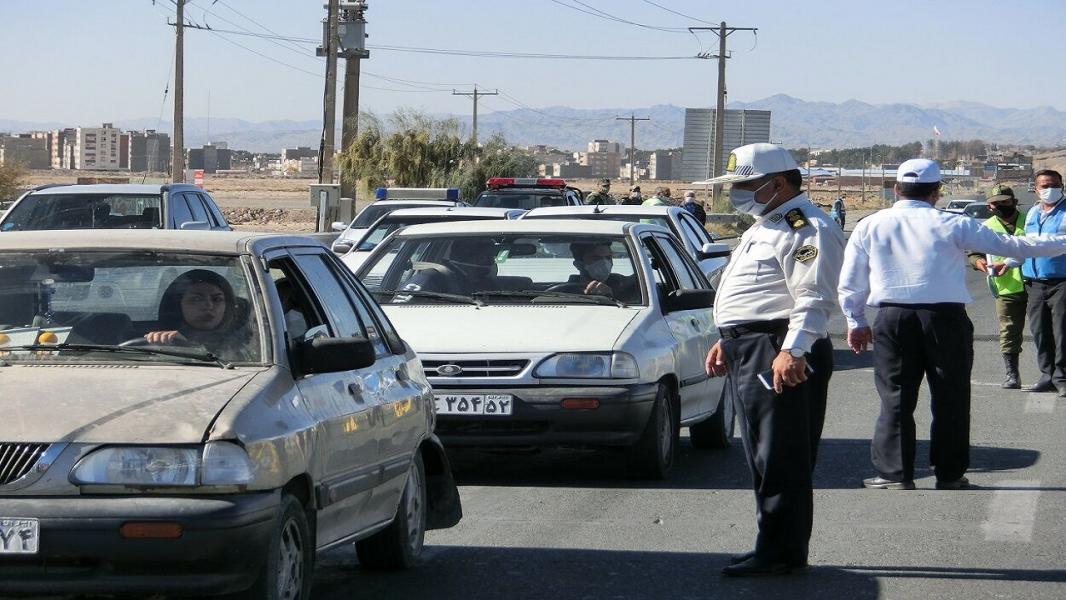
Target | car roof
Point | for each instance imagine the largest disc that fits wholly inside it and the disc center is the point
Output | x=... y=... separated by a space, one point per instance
x=411 y=202
x=105 y=188
x=579 y=226
x=458 y=212
x=607 y=209
x=164 y=240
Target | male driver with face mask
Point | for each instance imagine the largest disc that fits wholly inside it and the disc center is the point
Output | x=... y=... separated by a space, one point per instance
x=595 y=264
x=1045 y=283
x=772 y=310
x=1006 y=283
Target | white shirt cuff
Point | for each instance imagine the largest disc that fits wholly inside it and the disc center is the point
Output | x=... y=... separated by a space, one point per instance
x=799 y=339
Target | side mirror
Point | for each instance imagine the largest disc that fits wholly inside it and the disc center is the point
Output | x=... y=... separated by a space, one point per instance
x=339 y=226
x=332 y=355
x=688 y=300
x=195 y=226
x=342 y=247
x=713 y=251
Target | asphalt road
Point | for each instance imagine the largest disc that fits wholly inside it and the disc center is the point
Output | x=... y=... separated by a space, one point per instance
x=572 y=525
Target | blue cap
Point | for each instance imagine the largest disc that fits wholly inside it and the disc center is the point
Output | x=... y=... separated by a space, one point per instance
x=381 y=193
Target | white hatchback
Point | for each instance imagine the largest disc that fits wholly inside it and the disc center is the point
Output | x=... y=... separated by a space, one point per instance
x=557 y=333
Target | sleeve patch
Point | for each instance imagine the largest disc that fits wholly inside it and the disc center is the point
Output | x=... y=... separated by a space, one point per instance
x=805 y=253
x=796 y=219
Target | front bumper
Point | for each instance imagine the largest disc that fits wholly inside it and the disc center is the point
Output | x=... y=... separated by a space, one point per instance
x=222 y=548
x=538 y=418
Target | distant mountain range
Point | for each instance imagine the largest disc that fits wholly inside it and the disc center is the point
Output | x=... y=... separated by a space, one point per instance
x=794 y=123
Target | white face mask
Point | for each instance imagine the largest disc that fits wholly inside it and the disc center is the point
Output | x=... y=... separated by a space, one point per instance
x=1050 y=195
x=744 y=200
x=599 y=269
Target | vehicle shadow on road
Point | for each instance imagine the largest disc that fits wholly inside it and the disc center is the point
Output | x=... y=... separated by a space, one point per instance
x=963 y=573
x=842 y=464
x=473 y=573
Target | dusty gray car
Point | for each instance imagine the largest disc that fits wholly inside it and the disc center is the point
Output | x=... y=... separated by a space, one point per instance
x=201 y=412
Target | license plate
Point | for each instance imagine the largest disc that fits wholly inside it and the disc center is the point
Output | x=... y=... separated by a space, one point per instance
x=489 y=405
x=18 y=535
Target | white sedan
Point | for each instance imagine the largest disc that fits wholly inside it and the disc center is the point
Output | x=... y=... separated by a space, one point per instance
x=557 y=333
x=700 y=245
x=351 y=233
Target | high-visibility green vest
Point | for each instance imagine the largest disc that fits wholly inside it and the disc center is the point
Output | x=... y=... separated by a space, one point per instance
x=1010 y=282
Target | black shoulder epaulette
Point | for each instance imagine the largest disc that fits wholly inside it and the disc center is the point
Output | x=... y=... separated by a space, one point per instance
x=796 y=219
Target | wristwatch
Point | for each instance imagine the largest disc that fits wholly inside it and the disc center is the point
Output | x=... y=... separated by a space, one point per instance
x=796 y=352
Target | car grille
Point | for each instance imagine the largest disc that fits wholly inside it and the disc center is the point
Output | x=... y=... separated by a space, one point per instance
x=16 y=460
x=475 y=368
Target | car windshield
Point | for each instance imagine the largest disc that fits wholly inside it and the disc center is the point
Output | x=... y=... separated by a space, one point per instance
x=84 y=211
x=78 y=306
x=382 y=229
x=372 y=213
x=624 y=217
x=504 y=269
x=525 y=199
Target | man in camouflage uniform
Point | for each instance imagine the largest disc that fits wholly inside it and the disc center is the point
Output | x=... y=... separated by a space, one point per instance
x=603 y=195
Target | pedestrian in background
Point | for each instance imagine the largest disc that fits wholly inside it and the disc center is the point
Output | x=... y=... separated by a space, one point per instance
x=839 y=212
x=602 y=195
x=910 y=260
x=1045 y=284
x=634 y=198
x=772 y=310
x=695 y=208
x=1005 y=282
x=661 y=197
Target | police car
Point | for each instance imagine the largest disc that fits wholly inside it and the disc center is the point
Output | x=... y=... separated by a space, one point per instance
x=524 y=347
x=528 y=193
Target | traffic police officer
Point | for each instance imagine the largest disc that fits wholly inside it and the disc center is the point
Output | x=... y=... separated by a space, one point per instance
x=772 y=311
x=603 y=195
x=910 y=260
x=1005 y=282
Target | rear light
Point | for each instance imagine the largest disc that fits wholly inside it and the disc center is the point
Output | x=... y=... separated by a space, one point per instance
x=580 y=403
x=499 y=182
x=151 y=530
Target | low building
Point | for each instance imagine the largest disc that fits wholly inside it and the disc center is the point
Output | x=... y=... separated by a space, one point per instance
x=26 y=149
x=210 y=158
x=741 y=127
x=97 y=148
x=61 y=147
x=661 y=165
x=149 y=151
x=297 y=153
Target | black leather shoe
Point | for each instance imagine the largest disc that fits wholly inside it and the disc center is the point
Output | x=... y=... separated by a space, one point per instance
x=955 y=484
x=757 y=567
x=1041 y=386
x=736 y=559
x=880 y=483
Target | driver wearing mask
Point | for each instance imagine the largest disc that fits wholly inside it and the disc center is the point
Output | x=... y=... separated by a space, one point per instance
x=470 y=267
x=595 y=263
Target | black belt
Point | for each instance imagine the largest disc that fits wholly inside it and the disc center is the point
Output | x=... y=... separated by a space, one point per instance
x=925 y=306
x=1045 y=280
x=775 y=326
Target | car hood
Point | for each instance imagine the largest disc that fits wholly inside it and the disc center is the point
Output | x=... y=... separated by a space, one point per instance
x=494 y=328
x=114 y=404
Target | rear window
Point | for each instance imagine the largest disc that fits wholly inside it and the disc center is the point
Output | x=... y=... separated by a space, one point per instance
x=526 y=200
x=84 y=211
x=374 y=212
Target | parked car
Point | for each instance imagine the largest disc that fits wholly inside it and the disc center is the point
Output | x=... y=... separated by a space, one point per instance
x=977 y=210
x=700 y=245
x=957 y=205
x=114 y=206
x=200 y=412
x=353 y=232
x=413 y=216
x=527 y=193
x=522 y=350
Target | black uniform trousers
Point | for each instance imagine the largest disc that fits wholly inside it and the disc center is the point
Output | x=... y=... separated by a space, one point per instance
x=912 y=341
x=1047 y=321
x=780 y=433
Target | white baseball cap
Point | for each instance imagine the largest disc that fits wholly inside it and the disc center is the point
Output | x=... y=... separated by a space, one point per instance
x=918 y=170
x=753 y=161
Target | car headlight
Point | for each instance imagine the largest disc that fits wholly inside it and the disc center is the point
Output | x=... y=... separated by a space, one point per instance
x=215 y=463
x=589 y=365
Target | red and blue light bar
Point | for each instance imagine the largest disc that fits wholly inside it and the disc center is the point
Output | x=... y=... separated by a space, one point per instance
x=502 y=182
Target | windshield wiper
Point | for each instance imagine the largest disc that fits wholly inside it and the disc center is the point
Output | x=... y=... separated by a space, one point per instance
x=459 y=298
x=584 y=298
x=200 y=356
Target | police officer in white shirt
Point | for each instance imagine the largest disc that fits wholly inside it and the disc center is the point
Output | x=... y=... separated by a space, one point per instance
x=910 y=261
x=772 y=309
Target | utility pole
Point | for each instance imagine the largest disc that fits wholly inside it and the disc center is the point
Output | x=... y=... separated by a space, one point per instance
x=177 y=168
x=632 y=143
x=809 y=177
x=475 y=94
x=329 y=100
x=353 y=49
x=722 y=31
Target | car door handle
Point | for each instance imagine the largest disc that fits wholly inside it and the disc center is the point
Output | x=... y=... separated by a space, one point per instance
x=356 y=390
x=695 y=323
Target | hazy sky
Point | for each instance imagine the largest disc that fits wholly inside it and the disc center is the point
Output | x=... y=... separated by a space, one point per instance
x=87 y=61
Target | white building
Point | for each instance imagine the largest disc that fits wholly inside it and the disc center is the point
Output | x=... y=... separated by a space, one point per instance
x=742 y=127
x=97 y=148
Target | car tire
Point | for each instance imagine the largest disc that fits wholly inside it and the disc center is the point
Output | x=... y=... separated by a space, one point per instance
x=399 y=545
x=289 y=569
x=715 y=432
x=652 y=457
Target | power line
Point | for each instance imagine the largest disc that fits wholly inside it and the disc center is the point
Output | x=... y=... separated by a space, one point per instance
x=535 y=55
x=592 y=10
x=261 y=26
x=680 y=14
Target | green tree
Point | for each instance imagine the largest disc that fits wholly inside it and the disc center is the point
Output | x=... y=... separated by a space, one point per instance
x=12 y=180
x=497 y=159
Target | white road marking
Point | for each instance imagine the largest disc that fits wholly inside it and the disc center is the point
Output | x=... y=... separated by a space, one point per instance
x=1040 y=403
x=1012 y=513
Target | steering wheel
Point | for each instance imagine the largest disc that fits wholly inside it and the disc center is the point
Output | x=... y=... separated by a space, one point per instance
x=569 y=287
x=141 y=341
